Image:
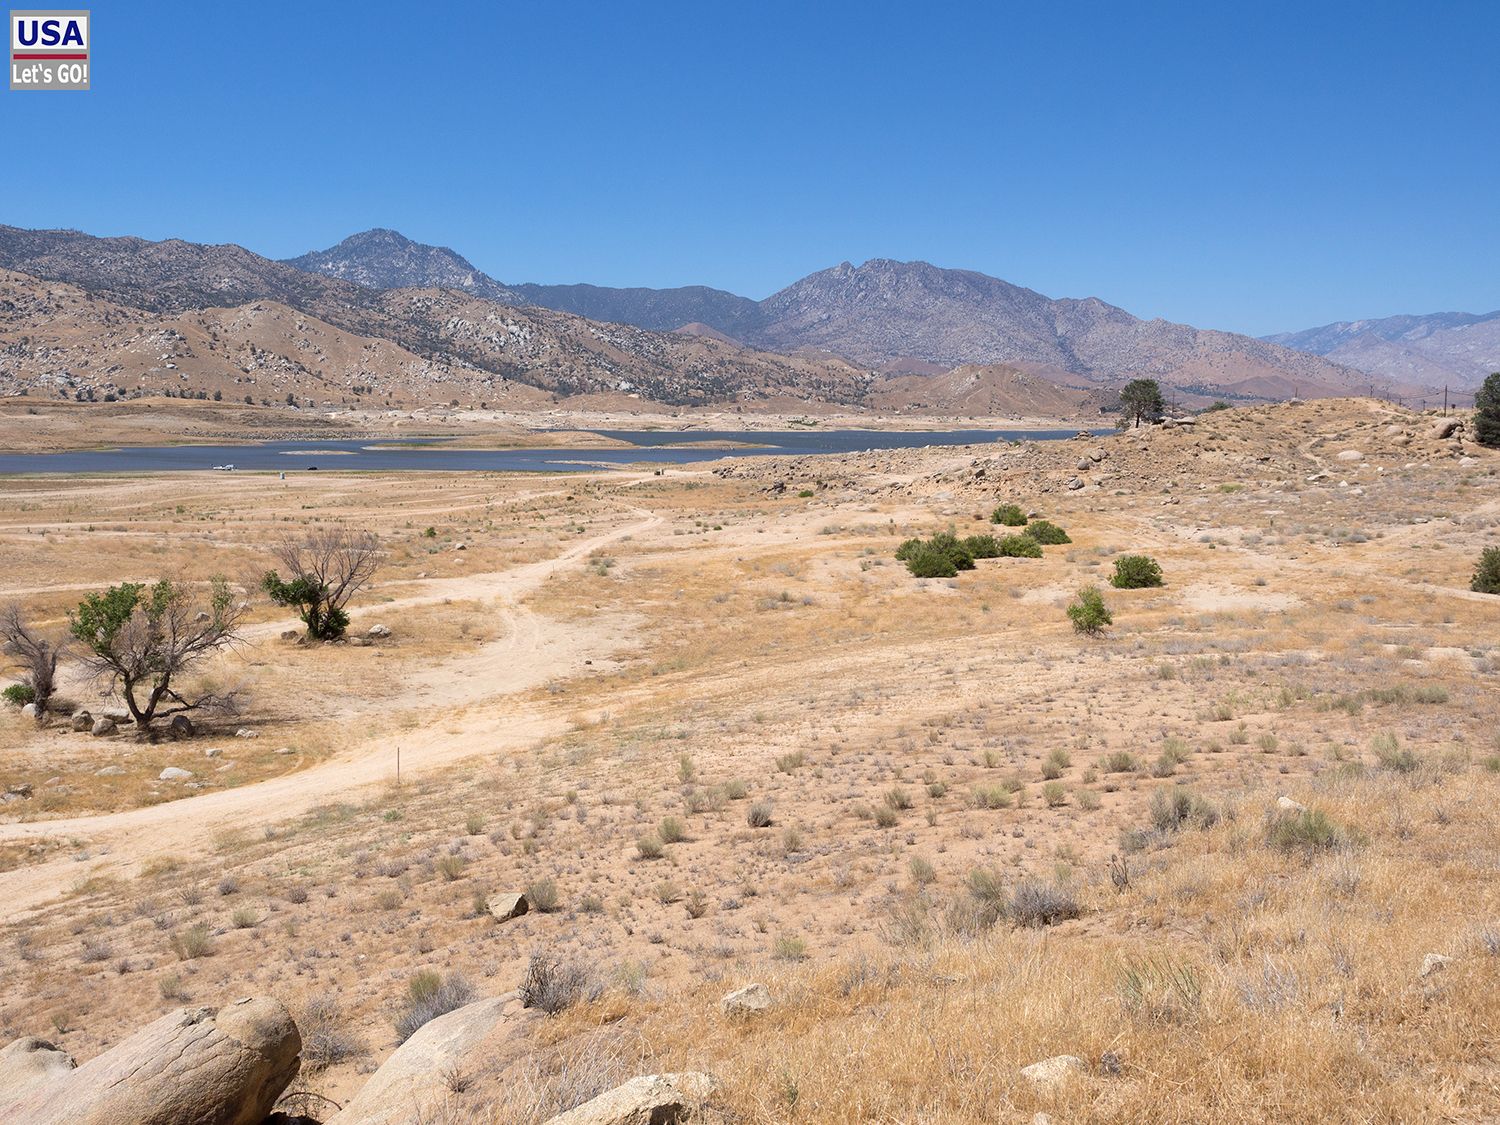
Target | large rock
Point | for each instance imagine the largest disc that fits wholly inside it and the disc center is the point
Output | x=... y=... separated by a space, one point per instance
x=1447 y=428
x=29 y=1063
x=504 y=907
x=412 y=1086
x=180 y=727
x=194 y=1066
x=82 y=721
x=103 y=727
x=174 y=773
x=30 y=712
x=746 y=1001
x=1351 y=455
x=655 y=1099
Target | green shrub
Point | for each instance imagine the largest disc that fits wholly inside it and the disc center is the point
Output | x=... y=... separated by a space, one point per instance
x=1391 y=754
x=928 y=562
x=1020 y=547
x=942 y=556
x=1047 y=533
x=672 y=830
x=1054 y=793
x=982 y=547
x=1177 y=808
x=1304 y=828
x=1010 y=515
x=1119 y=761
x=1089 y=614
x=1487 y=575
x=1135 y=572
x=18 y=695
x=542 y=896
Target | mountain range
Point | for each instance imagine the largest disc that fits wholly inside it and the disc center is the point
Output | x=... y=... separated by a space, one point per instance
x=381 y=315
x=1456 y=350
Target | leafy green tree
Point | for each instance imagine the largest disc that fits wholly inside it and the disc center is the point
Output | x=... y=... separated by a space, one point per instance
x=1141 y=401
x=1089 y=614
x=325 y=568
x=140 y=638
x=1487 y=412
x=1487 y=575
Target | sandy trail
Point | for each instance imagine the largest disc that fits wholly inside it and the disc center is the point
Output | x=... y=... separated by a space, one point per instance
x=533 y=651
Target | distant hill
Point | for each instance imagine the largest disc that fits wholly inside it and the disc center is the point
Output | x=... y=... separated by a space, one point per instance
x=485 y=345
x=384 y=259
x=901 y=317
x=822 y=339
x=1453 y=349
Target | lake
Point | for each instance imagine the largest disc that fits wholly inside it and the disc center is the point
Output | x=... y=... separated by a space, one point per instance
x=431 y=454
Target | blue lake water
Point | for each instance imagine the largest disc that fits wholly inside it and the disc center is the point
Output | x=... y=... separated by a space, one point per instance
x=432 y=455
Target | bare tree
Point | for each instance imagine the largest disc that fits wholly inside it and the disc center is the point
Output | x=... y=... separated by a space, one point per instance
x=141 y=637
x=325 y=568
x=35 y=655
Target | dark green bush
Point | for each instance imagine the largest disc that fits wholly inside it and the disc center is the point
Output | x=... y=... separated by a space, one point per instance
x=1046 y=533
x=1487 y=576
x=942 y=556
x=929 y=562
x=1020 y=547
x=1089 y=614
x=1010 y=515
x=982 y=547
x=1135 y=572
x=18 y=695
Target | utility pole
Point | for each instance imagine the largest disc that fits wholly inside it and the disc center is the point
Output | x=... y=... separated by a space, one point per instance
x=1445 y=400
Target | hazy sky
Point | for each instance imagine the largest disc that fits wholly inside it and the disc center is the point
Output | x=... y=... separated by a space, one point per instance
x=1254 y=167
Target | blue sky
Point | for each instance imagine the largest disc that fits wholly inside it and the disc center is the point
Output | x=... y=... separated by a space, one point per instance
x=1253 y=167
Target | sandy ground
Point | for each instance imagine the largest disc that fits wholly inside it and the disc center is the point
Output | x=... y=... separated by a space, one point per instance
x=623 y=657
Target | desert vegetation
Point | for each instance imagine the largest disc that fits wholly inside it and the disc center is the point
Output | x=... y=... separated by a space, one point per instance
x=750 y=797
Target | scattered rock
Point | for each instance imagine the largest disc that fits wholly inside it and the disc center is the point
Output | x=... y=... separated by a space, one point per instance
x=379 y=631
x=110 y=771
x=1433 y=963
x=212 y=751
x=174 y=773
x=284 y=750
x=180 y=727
x=1083 y=464
x=82 y=721
x=29 y=711
x=1074 y=484
x=1055 y=1071
x=655 y=1099
x=1286 y=804
x=225 y=1067
x=747 y=1001
x=246 y=732
x=460 y=546
x=102 y=726
x=360 y=642
x=1350 y=455
x=28 y=1063
x=291 y=634
x=19 y=789
x=504 y=907
x=1447 y=428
